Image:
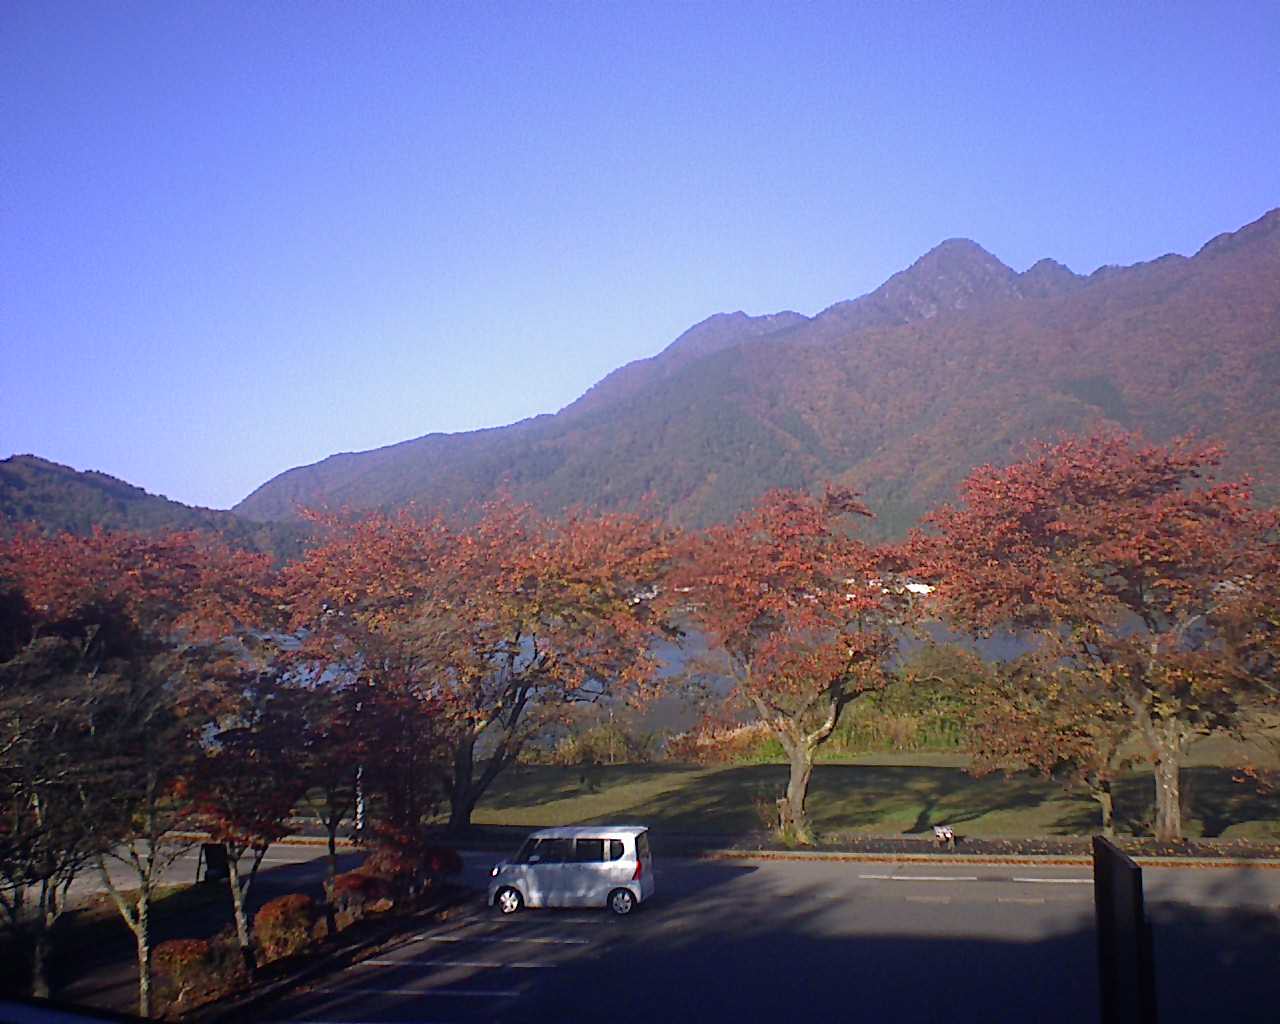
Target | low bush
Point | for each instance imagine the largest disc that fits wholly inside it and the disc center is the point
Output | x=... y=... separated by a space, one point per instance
x=441 y=861
x=357 y=894
x=607 y=743
x=284 y=926
x=192 y=972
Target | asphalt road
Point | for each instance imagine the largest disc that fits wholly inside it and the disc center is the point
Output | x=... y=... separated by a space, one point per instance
x=839 y=941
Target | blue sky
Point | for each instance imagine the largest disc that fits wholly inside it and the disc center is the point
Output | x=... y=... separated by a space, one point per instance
x=239 y=237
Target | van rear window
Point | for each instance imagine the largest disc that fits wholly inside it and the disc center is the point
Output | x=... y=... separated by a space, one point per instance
x=642 y=846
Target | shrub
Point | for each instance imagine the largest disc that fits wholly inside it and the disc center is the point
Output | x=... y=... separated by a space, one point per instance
x=191 y=972
x=356 y=894
x=607 y=743
x=439 y=861
x=284 y=925
x=725 y=744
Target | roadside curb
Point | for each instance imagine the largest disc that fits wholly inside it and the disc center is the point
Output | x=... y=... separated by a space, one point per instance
x=1048 y=860
x=744 y=853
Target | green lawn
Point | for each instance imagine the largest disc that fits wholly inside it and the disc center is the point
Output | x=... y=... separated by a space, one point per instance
x=878 y=795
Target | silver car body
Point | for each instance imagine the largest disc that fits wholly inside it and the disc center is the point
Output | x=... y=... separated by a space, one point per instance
x=579 y=866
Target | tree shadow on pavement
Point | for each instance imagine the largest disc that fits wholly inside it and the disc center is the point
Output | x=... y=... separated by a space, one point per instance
x=708 y=958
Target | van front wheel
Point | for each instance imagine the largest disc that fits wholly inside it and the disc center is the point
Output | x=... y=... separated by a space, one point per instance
x=622 y=901
x=508 y=901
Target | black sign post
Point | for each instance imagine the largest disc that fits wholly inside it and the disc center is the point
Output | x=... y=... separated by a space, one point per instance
x=1126 y=970
x=213 y=856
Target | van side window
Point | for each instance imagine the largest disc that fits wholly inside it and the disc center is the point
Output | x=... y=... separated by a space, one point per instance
x=615 y=849
x=556 y=851
x=589 y=851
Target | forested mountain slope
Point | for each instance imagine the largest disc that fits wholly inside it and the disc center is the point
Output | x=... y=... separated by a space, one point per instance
x=58 y=498
x=955 y=361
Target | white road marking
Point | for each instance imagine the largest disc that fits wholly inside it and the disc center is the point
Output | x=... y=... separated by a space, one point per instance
x=933 y=878
x=1057 y=881
x=500 y=938
x=1021 y=899
x=465 y=993
x=450 y=963
x=928 y=899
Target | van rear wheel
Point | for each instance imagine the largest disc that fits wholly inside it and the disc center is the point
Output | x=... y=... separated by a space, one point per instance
x=508 y=900
x=622 y=901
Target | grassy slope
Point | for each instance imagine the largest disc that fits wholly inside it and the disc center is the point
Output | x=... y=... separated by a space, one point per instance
x=879 y=795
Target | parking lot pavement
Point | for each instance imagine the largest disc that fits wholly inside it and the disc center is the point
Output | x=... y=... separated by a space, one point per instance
x=745 y=941
x=477 y=966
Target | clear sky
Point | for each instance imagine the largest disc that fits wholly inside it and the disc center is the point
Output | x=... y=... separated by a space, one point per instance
x=239 y=237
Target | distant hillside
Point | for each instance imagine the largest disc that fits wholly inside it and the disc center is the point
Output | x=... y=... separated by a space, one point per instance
x=955 y=361
x=60 y=498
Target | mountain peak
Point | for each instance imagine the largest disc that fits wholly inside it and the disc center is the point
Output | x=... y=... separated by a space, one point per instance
x=1047 y=277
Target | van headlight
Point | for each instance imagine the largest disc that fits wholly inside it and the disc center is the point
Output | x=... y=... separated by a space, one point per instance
x=496 y=869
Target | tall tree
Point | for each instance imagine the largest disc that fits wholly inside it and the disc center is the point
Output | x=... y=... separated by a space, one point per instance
x=248 y=778
x=487 y=623
x=45 y=842
x=803 y=616
x=149 y=615
x=1123 y=557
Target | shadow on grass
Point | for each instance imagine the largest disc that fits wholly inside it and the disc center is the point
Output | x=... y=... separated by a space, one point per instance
x=877 y=799
x=1213 y=801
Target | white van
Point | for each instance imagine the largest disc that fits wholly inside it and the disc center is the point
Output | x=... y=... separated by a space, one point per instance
x=583 y=866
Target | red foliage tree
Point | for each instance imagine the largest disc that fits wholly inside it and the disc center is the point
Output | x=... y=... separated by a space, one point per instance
x=803 y=616
x=1126 y=562
x=147 y=618
x=484 y=623
x=247 y=780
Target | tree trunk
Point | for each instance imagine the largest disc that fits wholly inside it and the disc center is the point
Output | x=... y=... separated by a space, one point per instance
x=331 y=874
x=461 y=808
x=40 y=964
x=462 y=799
x=792 y=806
x=142 y=935
x=242 y=921
x=1168 y=798
x=1102 y=793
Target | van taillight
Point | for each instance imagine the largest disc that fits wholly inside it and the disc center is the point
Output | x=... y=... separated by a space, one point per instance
x=635 y=876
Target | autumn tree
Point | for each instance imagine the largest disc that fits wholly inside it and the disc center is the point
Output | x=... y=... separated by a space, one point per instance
x=553 y=612
x=148 y=617
x=333 y=745
x=802 y=616
x=1032 y=716
x=1123 y=558
x=249 y=775
x=484 y=624
x=45 y=842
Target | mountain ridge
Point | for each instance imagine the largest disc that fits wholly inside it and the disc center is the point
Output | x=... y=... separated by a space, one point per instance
x=971 y=359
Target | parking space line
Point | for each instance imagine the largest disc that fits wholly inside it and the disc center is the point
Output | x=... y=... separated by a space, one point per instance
x=543 y=940
x=519 y=964
x=1021 y=899
x=921 y=878
x=1057 y=881
x=460 y=992
x=928 y=899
